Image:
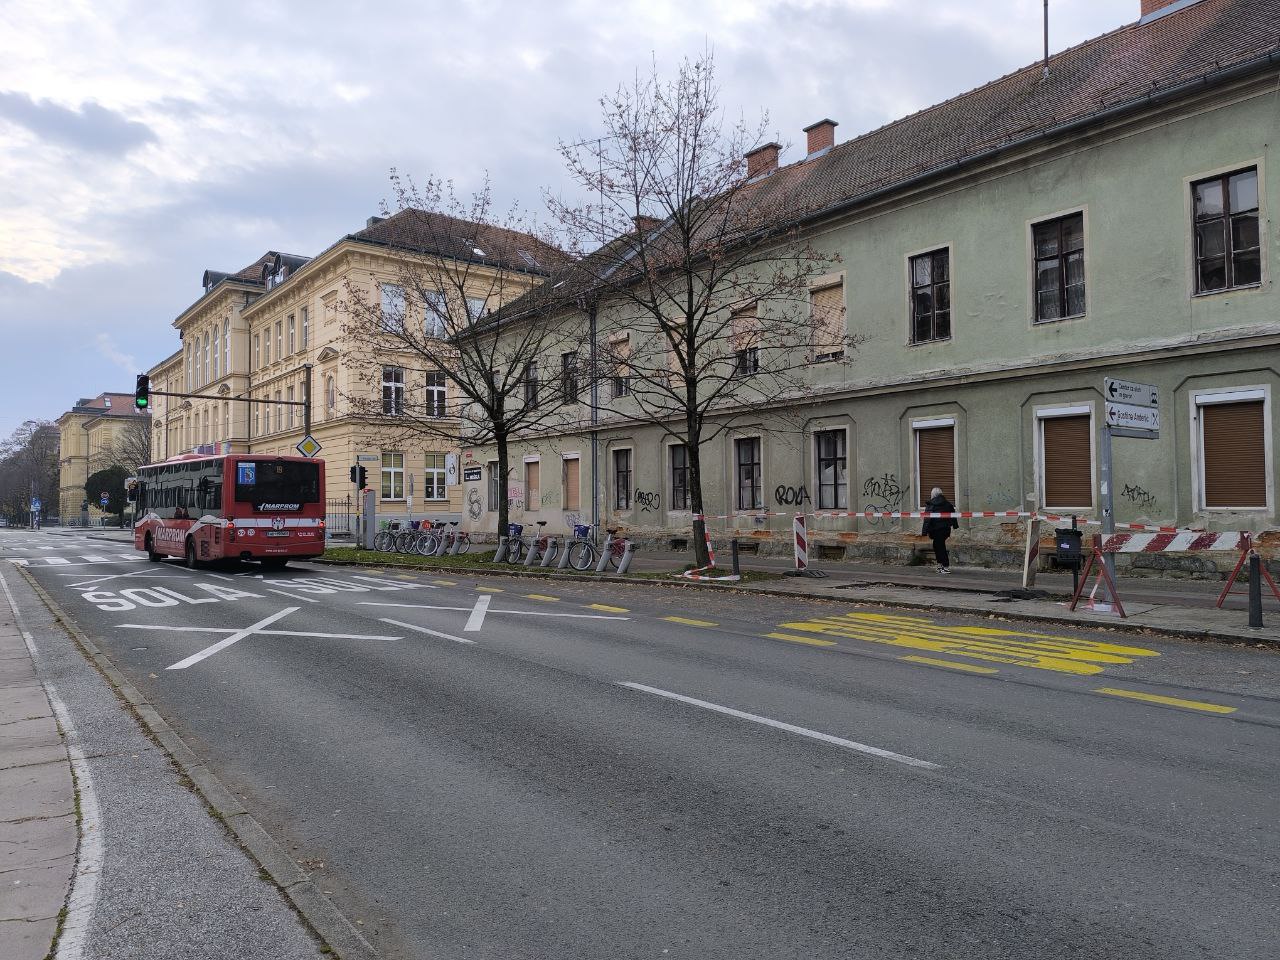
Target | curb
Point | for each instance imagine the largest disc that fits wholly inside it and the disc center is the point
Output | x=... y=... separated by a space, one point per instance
x=335 y=931
x=1003 y=610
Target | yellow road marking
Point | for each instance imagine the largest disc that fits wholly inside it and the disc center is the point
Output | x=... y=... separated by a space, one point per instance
x=971 y=668
x=1166 y=701
x=489 y=589
x=606 y=608
x=542 y=596
x=688 y=622
x=812 y=641
x=405 y=576
x=445 y=583
x=990 y=644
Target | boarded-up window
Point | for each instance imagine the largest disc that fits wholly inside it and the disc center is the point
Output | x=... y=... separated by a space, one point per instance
x=533 y=495
x=1068 y=470
x=936 y=462
x=828 y=322
x=572 y=499
x=1233 y=454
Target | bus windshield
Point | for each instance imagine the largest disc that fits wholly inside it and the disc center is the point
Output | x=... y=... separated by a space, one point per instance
x=277 y=485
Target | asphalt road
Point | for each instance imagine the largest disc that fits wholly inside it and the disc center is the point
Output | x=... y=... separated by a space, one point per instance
x=492 y=767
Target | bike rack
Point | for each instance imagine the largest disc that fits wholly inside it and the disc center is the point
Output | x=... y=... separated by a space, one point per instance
x=501 y=553
x=552 y=546
x=628 y=552
x=603 y=565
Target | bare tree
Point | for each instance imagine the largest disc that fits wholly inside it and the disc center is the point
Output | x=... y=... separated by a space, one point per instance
x=131 y=447
x=437 y=330
x=29 y=466
x=700 y=274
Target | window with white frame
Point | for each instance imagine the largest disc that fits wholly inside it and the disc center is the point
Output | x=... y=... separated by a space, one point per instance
x=306 y=327
x=1233 y=453
x=266 y=346
x=433 y=486
x=475 y=308
x=435 y=308
x=833 y=463
x=1066 y=458
x=293 y=333
x=226 y=346
x=435 y=394
x=495 y=486
x=622 y=479
x=393 y=391
x=279 y=339
x=330 y=394
x=289 y=397
x=530 y=379
x=392 y=303
x=392 y=475
x=257 y=350
x=680 y=496
x=1227 y=237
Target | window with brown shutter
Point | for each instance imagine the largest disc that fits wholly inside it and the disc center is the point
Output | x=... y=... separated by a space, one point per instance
x=532 y=493
x=1233 y=454
x=936 y=462
x=571 y=496
x=827 y=306
x=1068 y=468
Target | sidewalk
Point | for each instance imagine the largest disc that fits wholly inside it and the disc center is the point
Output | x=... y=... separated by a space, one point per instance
x=38 y=829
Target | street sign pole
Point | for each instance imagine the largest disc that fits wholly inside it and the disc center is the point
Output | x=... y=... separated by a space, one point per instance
x=1108 y=507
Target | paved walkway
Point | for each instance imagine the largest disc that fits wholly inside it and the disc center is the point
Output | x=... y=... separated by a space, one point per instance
x=37 y=804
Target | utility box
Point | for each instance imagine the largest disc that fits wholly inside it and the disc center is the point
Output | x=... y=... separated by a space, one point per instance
x=1069 y=544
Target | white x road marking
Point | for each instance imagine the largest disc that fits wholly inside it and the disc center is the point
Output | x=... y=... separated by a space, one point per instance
x=236 y=635
x=472 y=611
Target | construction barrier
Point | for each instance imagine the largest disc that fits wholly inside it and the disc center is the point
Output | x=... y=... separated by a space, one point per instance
x=700 y=573
x=801 y=542
x=1247 y=550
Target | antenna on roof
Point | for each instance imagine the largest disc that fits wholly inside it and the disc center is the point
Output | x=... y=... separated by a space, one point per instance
x=1046 y=39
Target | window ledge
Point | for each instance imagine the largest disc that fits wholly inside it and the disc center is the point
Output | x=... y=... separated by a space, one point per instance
x=1221 y=510
x=1045 y=323
x=1247 y=288
x=928 y=343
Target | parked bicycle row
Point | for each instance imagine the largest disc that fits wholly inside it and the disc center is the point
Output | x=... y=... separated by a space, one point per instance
x=438 y=539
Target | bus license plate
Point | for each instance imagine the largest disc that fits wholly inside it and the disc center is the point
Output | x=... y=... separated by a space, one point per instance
x=277 y=533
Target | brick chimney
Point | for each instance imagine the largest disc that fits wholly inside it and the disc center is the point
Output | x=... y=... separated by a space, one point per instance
x=762 y=160
x=1155 y=9
x=822 y=136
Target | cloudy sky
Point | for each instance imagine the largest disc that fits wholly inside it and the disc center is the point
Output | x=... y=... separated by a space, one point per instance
x=143 y=143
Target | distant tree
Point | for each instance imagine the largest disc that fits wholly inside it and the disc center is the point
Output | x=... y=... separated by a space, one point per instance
x=430 y=333
x=111 y=482
x=700 y=275
x=29 y=466
x=132 y=445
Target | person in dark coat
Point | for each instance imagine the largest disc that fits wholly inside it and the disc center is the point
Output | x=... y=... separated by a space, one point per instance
x=938 y=529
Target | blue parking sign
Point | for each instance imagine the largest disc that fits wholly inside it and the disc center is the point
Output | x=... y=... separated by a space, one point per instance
x=246 y=474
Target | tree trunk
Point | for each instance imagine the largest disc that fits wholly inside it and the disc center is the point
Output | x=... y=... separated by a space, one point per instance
x=504 y=505
x=693 y=442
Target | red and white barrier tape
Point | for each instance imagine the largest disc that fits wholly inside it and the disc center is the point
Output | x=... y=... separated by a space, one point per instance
x=1183 y=542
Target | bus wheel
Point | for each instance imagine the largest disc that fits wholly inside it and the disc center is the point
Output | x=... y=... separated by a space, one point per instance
x=151 y=550
x=192 y=562
x=274 y=563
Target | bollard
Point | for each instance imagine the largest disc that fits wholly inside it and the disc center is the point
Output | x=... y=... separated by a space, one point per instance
x=501 y=553
x=733 y=557
x=440 y=544
x=457 y=542
x=552 y=545
x=564 y=556
x=603 y=565
x=625 y=563
x=1255 y=591
x=531 y=557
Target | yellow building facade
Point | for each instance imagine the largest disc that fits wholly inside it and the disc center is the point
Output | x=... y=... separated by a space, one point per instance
x=88 y=435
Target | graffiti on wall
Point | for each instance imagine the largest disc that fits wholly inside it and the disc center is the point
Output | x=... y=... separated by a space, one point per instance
x=791 y=496
x=883 y=494
x=475 y=506
x=647 y=502
x=1139 y=497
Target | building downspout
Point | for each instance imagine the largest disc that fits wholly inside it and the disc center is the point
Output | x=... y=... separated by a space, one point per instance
x=595 y=420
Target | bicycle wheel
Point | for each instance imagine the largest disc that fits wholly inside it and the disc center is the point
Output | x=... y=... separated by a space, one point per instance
x=581 y=554
x=515 y=550
x=404 y=541
x=552 y=551
x=616 y=550
x=426 y=544
x=384 y=541
x=464 y=543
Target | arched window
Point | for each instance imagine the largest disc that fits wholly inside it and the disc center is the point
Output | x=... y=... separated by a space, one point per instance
x=205 y=374
x=330 y=395
x=226 y=348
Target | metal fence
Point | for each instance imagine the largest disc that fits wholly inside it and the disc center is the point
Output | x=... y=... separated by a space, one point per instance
x=339 y=517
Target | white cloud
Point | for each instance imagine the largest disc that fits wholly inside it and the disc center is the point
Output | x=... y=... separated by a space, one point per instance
x=108 y=350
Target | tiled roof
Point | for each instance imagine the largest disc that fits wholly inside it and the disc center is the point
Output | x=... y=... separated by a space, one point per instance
x=1123 y=67
x=439 y=234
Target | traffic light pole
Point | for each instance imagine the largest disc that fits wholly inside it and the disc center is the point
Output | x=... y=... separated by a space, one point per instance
x=306 y=400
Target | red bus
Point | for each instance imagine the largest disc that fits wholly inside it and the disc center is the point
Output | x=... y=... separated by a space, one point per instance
x=233 y=507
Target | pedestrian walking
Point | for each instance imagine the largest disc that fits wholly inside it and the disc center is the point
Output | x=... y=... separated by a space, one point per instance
x=938 y=529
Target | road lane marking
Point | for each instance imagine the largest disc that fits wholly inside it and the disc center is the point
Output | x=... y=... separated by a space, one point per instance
x=476 y=620
x=161 y=574
x=445 y=583
x=788 y=727
x=522 y=613
x=967 y=667
x=606 y=608
x=295 y=596
x=222 y=644
x=490 y=589
x=812 y=641
x=541 y=596
x=1167 y=701
x=990 y=644
x=689 y=623
x=433 y=633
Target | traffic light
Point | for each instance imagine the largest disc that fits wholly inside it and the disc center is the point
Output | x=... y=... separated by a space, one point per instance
x=358 y=476
x=142 y=392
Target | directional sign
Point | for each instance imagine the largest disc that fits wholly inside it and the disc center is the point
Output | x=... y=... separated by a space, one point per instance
x=367 y=458
x=1127 y=416
x=308 y=446
x=1129 y=392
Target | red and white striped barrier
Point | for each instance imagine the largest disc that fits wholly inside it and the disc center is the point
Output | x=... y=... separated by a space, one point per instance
x=700 y=572
x=801 y=542
x=1186 y=541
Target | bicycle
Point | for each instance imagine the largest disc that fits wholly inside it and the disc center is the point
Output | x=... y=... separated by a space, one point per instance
x=445 y=535
x=517 y=546
x=385 y=540
x=583 y=553
x=547 y=547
